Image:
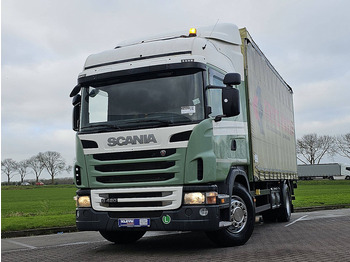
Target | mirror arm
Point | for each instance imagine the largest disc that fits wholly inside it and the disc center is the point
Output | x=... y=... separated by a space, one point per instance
x=214 y=87
x=218 y=118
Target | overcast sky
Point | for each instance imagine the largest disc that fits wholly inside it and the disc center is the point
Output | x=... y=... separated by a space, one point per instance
x=44 y=45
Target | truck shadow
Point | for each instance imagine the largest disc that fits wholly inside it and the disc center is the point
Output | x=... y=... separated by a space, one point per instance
x=177 y=244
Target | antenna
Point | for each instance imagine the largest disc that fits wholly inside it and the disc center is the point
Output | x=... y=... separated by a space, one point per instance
x=210 y=34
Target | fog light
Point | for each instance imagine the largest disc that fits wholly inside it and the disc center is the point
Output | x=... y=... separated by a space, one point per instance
x=82 y=201
x=211 y=197
x=195 y=198
x=203 y=212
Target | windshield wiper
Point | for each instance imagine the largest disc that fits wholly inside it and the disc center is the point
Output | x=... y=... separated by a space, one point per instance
x=105 y=126
x=149 y=120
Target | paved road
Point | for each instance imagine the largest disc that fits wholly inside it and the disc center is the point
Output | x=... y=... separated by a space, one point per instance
x=313 y=236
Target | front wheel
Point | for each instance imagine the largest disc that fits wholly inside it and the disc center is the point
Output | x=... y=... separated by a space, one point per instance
x=242 y=216
x=122 y=237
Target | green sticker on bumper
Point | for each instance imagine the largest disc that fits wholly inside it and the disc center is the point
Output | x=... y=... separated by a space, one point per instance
x=166 y=219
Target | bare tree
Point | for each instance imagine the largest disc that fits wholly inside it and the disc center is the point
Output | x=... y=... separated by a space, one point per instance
x=9 y=167
x=54 y=163
x=22 y=168
x=343 y=143
x=36 y=165
x=312 y=148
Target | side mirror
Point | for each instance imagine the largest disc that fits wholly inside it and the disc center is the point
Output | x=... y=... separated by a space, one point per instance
x=229 y=96
x=231 y=79
x=75 y=90
x=76 y=117
x=76 y=100
x=230 y=102
x=76 y=112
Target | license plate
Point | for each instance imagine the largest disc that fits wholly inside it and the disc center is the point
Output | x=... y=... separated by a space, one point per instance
x=134 y=222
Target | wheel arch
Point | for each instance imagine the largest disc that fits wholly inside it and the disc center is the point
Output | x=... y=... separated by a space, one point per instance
x=237 y=187
x=236 y=175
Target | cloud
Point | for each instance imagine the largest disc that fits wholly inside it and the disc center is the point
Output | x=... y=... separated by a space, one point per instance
x=320 y=106
x=39 y=93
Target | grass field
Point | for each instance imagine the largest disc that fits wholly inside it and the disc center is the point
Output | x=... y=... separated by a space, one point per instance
x=27 y=207
x=322 y=193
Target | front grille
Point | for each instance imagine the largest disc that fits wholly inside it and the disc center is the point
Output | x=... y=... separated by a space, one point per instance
x=137 y=199
x=138 y=194
x=141 y=204
x=134 y=155
x=135 y=178
x=135 y=166
x=150 y=167
x=135 y=214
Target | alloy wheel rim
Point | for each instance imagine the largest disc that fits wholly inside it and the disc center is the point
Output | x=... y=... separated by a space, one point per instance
x=238 y=215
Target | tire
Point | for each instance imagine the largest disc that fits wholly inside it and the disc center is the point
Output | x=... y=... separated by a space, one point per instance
x=242 y=215
x=285 y=211
x=122 y=237
x=347 y=177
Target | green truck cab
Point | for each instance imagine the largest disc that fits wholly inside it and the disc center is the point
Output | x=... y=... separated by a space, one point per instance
x=183 y=131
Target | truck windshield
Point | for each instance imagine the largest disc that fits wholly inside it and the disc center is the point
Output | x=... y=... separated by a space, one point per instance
x=143 y=101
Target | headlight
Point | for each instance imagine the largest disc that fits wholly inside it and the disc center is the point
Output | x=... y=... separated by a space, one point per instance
x=211 y=197
x=196 y=198
x=82 y=201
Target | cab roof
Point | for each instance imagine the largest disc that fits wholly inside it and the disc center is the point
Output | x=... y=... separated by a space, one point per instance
x=224 y=32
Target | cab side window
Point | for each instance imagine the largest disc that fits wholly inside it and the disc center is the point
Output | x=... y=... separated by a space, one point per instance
x=214 y=95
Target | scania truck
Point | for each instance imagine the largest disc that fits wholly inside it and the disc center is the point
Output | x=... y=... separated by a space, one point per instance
x=185 y=131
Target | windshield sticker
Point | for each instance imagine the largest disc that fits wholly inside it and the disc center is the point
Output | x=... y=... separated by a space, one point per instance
x=188 y=110
x=196 y=101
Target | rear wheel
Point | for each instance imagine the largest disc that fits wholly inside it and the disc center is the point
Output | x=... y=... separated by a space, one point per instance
x=242 y=216
x=285 y=211
x=122 y=237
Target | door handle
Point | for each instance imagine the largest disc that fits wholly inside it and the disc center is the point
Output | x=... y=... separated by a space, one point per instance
x=233 y=145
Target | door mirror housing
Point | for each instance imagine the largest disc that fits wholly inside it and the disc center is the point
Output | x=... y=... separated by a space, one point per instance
x=76 y=112
x=75 y=90
x=230 y=96
x=230 y=102
x=76 y=117
x=232 y=79
x=76 y=100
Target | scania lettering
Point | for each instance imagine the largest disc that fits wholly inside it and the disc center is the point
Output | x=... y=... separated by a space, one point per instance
x=122 y=141
x=185 y=131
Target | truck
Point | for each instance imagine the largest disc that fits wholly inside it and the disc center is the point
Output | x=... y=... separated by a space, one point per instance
x=184 y=131
x=326 y=171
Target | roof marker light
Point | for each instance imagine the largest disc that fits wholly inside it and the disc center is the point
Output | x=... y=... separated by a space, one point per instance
x=193 y=32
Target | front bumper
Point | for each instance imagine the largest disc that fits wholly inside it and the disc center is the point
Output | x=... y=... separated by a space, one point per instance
x=186 y=218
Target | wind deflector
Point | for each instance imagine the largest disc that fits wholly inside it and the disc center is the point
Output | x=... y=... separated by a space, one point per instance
x=113 y=76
